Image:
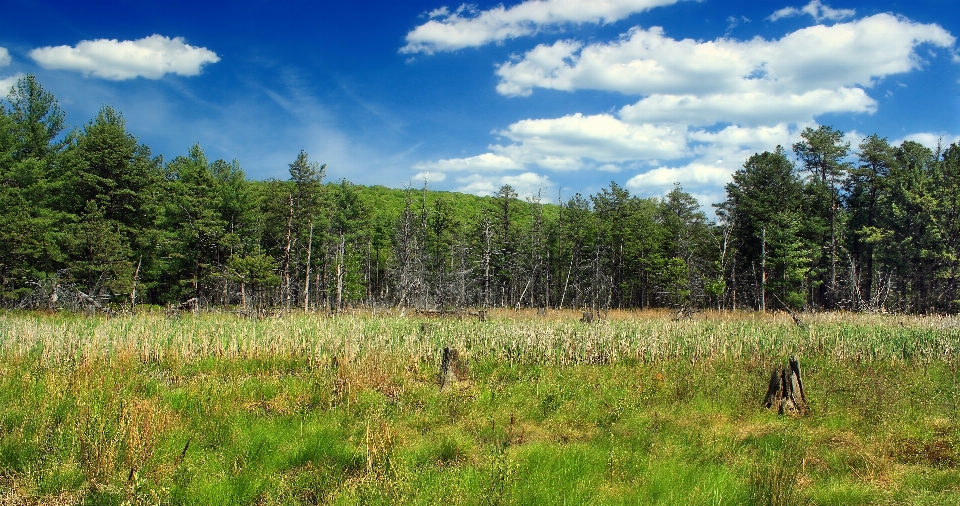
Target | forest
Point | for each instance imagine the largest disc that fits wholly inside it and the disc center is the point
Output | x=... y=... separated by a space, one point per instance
x=89 y=217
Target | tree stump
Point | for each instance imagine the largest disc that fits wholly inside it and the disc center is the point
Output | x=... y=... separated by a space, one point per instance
x=587 y=317
x=453 y=368
x=482 y=315
x=785 y=391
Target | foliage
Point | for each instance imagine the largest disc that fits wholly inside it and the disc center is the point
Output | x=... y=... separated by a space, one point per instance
x=874 y=229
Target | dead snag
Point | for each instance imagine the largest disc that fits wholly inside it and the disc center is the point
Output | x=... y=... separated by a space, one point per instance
x=453 y=368
x=785 y=391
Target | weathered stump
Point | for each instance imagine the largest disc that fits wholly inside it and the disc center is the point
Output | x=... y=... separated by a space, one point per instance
x=453 y=368
x=785 y=391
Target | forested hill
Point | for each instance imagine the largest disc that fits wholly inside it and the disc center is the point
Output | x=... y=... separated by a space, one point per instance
x=90 y=217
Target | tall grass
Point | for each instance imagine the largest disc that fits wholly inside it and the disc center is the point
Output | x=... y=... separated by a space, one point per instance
x=507 y=337
x=635 y=409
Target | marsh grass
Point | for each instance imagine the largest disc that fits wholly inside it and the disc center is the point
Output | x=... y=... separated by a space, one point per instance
x=634 y=409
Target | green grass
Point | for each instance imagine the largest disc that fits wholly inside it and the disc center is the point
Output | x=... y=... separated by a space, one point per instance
x=637 y=409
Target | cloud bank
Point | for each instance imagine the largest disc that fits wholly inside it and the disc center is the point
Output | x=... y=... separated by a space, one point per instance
x=704 y=105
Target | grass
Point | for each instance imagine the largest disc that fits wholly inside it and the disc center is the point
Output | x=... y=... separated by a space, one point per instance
x=637 y=409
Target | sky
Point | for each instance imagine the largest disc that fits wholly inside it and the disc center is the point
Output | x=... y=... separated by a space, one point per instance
x=552 y=97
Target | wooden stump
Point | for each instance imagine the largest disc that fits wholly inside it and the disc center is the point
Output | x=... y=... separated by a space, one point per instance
x=453 y=368
x=785 y=391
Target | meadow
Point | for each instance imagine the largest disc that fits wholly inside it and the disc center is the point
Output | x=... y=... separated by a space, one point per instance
x=638 y=408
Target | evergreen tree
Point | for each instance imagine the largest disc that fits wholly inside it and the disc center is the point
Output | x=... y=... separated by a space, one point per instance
x=866 y=187
x=764 y=203
x=822 y=153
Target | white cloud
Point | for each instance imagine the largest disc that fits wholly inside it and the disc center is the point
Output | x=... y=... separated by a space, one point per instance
x=467 y=27
x=930 y=139
x=4 y=57
x=150 y=57
x=712 y=175
x=752 y=108
x=527 y=185
x=431 y=177
x=8 y=82
x=645 y=61
x=734 y=21
x=487 y=162
x=704 y=106
x=817 y=10
x=476 y=184
x=717 y=155
x=600 y=137
x=569 y=143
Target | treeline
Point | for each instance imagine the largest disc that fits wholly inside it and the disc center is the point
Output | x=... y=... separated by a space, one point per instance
x=90 y=216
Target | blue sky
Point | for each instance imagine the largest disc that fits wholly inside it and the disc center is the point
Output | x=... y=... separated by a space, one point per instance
x=558 y=96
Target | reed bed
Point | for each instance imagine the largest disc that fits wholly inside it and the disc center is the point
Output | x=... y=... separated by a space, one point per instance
x=637 y=408
x=506 y=337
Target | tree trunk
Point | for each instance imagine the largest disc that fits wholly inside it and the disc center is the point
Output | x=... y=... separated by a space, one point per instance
x=340 y=271
x=306 y=279
x=453 y=368
x=133 y=291
x=286 y=257
x=785 y=391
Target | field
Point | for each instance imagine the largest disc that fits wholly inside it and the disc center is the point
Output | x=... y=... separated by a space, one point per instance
x=634 y=409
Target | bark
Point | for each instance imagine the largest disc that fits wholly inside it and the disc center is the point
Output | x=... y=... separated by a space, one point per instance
x=306 y=279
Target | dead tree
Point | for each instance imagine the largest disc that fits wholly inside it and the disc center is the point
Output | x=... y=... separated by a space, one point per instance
x=453 y=368
x=191 y=305
x=92 y=305
x=785 y=391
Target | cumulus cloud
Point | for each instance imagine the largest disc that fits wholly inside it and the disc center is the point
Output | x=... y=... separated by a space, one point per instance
x=487 y=162
x=600 y=137
x=527 y=184
x=7 y=83
x=646 y=61
x=150 y=57
x=930 y=139
x=705 y=106
x=666 y=176
x=469 y=27
x=817 y=10
x=717 y=155
x=430 y=177
x=570 y=143
x=750 y=109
